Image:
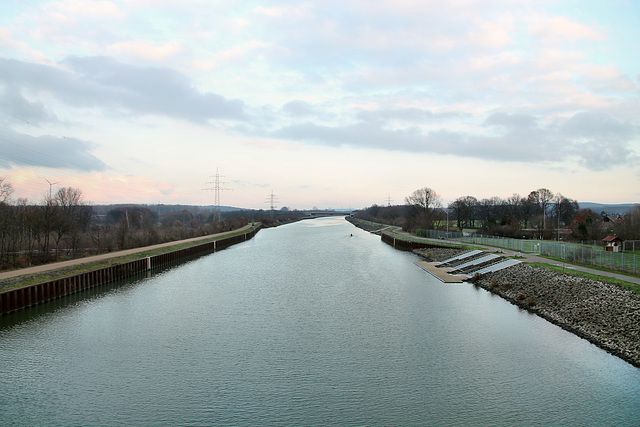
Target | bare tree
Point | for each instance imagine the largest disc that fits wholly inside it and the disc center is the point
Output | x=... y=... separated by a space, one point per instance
x=464 y=211
x=629 y=227
x=6 y=219
x=424 y=205
x=545 y=197
x=587 y=225
x=515 y=207
x=74 y=216
x=538 y=203
x=6 y=190
x=490 y=210
x=43 y=223
x=565 y=209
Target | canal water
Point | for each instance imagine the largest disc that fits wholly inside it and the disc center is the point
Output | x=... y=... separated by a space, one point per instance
x=312 y=323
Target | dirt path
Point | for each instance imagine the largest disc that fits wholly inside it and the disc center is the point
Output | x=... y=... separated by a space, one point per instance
x=78 y=261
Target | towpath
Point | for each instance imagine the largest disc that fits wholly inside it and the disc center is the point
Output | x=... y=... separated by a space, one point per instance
x=63 y=264
x=529 y=258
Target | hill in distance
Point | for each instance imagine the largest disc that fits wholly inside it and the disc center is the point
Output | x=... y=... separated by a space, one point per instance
x=619 y=209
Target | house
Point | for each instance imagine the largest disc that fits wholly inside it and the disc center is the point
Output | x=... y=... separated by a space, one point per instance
x=613 y=243
x=611 y=223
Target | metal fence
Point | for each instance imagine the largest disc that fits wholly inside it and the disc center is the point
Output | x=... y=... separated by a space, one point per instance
x=521 y=245
x=592 y=255
x=587 y=253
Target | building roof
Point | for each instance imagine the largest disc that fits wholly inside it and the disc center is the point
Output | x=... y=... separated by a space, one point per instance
x=613 y=238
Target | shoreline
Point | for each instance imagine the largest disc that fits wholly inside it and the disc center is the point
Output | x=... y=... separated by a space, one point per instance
x=27 y=295
x=603 y=314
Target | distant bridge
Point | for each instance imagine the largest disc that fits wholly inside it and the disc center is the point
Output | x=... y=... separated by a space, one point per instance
x=318 y=214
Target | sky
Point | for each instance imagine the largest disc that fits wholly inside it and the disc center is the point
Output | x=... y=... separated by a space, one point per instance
x=328 y=104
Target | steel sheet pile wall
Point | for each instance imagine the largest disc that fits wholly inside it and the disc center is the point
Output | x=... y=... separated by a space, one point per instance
x=17 y=299
x=407 y=245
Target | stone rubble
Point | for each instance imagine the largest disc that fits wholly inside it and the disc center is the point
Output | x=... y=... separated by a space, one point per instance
x=438 y=254
x=604 y=314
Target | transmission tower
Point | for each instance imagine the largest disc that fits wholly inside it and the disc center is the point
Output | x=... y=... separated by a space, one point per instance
x=272 y=200
x=217 y=188
x=389 y=199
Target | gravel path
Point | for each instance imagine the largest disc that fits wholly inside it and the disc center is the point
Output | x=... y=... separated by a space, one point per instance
x=64 y=264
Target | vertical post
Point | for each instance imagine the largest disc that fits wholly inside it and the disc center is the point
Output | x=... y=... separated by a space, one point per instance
x=611 y=261
x=148 y=263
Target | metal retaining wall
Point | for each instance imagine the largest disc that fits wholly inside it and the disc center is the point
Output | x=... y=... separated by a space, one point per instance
x=17 y=299
x=408 y=245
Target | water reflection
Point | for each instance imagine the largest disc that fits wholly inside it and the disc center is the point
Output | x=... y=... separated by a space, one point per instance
x=305 y=325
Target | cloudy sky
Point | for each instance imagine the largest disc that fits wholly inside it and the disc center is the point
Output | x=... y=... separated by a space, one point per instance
x=331 y=104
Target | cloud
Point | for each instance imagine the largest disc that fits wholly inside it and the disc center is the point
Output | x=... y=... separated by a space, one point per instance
x=298 y=108
x=357 y=135
x=147 y=51
x=104 y=83
x=88 y=9
x=244 y=183
x=558 y=29
x=47 y=151
x=18 y=109
x=95 y=187
x=598 y=141
x=407 y=115
x=511 y=121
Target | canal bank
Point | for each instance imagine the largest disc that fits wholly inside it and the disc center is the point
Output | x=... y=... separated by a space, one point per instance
x=26 y=296
x=604 y=314
x=312 y=323
x=601 y=313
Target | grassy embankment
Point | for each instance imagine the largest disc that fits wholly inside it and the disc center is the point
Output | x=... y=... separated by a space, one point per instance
x=392 y=231
x=621 y=283
x=32 y=279
x=562 y=270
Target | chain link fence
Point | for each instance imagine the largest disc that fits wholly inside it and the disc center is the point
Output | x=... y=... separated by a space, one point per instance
x=521 y=245
x=587 y=253
x=592 y=255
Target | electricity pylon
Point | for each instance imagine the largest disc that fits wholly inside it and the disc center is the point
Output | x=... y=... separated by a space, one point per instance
x=216 y=192
x=272 y=200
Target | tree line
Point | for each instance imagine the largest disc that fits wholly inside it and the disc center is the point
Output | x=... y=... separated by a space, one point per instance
x=541 y=214
x=64 y=226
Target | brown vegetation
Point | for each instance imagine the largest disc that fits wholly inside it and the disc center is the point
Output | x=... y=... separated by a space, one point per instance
x=63 y=226
x=540 y=215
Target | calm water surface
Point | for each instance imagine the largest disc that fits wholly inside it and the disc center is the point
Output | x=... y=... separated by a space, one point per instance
x=303 y=325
